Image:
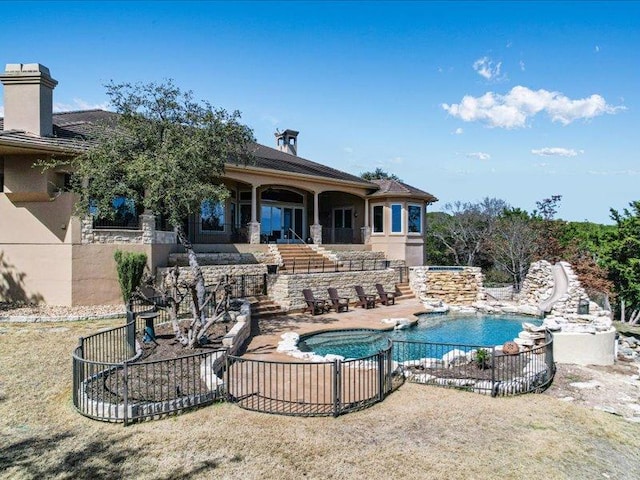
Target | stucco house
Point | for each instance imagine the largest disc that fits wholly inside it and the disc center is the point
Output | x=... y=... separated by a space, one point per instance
x=49 y=255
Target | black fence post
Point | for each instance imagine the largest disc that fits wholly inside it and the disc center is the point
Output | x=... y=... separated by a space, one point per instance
x=494 y=390
x=337 y=386
x=264 y=284
x=381 y=375
x=125 y=394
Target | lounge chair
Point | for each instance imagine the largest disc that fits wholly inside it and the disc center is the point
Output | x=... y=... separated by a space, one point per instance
x=386 y=298
x=364 y=300
x=338 y=303
x=314 y=306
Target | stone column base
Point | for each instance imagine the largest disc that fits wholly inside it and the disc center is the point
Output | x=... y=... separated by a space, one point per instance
x=366 y=235
x=315 y=231
x=254 y=232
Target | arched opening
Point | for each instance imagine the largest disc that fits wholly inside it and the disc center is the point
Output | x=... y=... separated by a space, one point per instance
x=283 y=215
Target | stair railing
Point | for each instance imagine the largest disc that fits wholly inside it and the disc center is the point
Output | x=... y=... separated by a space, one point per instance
x=296 y=236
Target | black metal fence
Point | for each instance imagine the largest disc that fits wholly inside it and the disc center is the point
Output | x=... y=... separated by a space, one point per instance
x=202 y=231
x=402 y=274
x=475 y=368
x=327 y=388
x=341 y=235
x=305 y=265
x=110 y=383
x=119 y=223
x=500 y=291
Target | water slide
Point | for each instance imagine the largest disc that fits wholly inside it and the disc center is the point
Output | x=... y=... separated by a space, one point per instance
x=560 y=287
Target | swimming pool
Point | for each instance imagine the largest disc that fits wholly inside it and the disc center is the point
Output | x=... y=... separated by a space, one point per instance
x=478 y=330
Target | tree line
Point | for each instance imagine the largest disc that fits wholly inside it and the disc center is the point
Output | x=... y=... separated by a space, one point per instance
x=505 y=240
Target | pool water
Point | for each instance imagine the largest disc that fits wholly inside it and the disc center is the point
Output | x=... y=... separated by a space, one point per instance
x=477 y=330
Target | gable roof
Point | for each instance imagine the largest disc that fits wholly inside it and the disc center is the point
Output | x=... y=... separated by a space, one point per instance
x=389 y=188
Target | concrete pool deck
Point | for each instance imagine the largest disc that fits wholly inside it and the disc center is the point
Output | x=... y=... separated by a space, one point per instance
x=264 y=342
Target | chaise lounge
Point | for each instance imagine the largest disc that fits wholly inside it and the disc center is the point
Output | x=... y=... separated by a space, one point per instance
x=386 y=298
x=364 y=300
x=338 y=303
x=315 y=307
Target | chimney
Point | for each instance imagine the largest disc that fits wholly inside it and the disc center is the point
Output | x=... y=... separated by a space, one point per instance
x=28 y=98
x=287 y=141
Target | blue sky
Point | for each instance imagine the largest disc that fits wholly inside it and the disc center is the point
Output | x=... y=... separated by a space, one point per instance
x=518 y=101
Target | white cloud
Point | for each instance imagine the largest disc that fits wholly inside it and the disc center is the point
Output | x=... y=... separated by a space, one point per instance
x=348 y=150
x=1 y=111
x=396 y=160
x=79 y=104
x=458 y=131
x=597 y=49
x=485 y=67
x=479 y=155
x=521 y=65
x=556 y=152
x=521 y=103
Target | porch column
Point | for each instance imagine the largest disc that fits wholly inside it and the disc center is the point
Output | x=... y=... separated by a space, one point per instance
x=254 y=225
x=315 y=231
x=366 y=212
x=366 y=229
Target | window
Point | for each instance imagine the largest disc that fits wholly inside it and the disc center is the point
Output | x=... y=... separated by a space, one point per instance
x=212 y=216
x=124 y=214
x=378 y=219
x=396 y=218
x=415 y=219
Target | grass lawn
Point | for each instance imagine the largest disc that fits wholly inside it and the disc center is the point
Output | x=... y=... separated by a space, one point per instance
x=418 y=432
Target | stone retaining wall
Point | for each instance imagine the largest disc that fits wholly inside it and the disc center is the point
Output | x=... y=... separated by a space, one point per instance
x=286 y=290
x=454 y=287
x=355 y=255
x=224 y=258
x=212 y=273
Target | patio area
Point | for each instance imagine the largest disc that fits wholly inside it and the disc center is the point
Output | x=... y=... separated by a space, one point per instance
x=265 y=340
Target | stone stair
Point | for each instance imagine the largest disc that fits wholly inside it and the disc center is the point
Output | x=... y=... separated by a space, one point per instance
x=302 y=259
x=263 y=307
x=403 y=291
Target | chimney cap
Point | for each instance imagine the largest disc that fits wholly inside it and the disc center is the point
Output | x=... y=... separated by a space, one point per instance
x=16 y=73
x=287 y=133
x=16 y=68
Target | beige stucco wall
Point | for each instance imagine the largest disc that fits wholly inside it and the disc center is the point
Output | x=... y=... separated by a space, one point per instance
x=36 y=222
x=36 y=273
x=95 y=280
x=398 y=246
x=35 y=248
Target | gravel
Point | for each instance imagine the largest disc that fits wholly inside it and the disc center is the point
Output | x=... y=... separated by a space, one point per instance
x=25 y=313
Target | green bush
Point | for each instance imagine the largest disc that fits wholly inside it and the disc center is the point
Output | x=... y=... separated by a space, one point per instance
x=130 y=267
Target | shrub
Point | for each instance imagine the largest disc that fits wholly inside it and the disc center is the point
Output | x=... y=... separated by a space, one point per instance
x=130 y=267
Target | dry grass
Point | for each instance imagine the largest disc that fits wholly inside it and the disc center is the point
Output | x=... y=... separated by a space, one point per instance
x=418 y=432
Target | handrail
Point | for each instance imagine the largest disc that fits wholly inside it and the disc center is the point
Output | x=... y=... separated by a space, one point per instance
x=296 y=235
